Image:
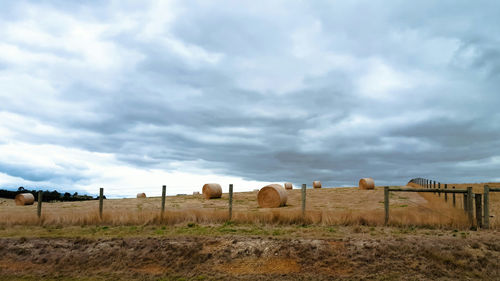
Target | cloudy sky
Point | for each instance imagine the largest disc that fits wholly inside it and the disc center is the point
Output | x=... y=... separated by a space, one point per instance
x=131 y=95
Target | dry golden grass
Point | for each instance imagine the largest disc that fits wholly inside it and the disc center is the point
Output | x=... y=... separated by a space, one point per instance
x=476 y=188
x=326 y=206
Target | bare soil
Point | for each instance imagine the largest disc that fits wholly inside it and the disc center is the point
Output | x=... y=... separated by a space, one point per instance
x=403 y=257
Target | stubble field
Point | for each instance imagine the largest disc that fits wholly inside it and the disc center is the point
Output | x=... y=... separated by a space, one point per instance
x=324 y=206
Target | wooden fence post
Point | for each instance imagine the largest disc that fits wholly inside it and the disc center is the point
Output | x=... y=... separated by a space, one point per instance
x=304 y=186
x=39 y=206
x=230 y=201
x=163 y=194
x=469 y=205
x=101 y=194
x=479 y=211
x=445 y=194
x=386 y=204
x=454 y=198
x=439 y=187
x=465 y=202
x=486 y=207
x=434 y=187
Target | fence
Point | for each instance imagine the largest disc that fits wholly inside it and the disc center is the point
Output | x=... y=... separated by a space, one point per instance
x=387 y=190
x=481 y=201
x=163 y=200
x=470 y=199
x=486 y=195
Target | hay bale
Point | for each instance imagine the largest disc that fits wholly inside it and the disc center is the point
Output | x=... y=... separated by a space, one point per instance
x=23 y=199
x=366 y=183
x=272 y=196
x=288 y=185
x=211 y=190
x=412 y=184
x=196 y=193
x=316 y=184
x=141 y=195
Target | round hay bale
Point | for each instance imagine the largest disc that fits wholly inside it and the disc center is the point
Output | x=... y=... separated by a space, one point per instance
x=196 y=193
x=412 y=184
x=288 y=185
x=272 y=196
x=366 y=183
x=23 y=199
x=141 y=195
x=211 y=190
x=316 y=184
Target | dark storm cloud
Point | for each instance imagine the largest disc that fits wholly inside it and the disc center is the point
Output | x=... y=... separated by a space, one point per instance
x=296 y=92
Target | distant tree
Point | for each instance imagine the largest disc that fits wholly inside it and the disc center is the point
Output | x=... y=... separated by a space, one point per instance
x=54 y=196
x=47 y=195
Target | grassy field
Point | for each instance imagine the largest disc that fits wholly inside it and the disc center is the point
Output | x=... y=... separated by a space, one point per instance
x=326 y=206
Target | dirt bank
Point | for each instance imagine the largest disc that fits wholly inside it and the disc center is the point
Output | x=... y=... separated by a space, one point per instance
x=251 y=258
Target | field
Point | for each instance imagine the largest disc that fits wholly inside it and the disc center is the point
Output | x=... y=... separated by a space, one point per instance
x=324 y=206
x=341 y=237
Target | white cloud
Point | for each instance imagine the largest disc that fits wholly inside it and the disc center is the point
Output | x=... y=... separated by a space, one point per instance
x=381 y=81
x=104 y=170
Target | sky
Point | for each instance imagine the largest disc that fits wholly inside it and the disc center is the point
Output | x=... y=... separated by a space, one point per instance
x=133 y=95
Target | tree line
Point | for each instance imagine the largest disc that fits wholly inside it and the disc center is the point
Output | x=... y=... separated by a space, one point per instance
x=47 y=196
